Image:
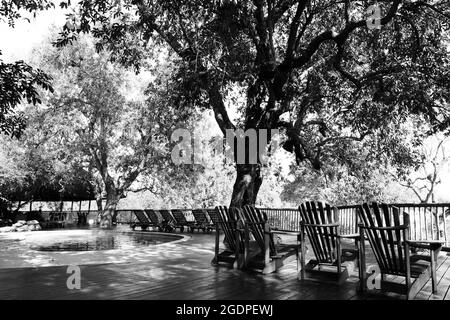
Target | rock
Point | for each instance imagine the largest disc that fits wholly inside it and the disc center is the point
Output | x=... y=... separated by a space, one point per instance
x=21 y=229
x=7 y=229
x=37 y=227
x=32 y=222
x=19 y=223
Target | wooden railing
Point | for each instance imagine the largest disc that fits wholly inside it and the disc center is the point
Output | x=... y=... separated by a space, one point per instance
x=283 y=219
x=348 y=220
x=427 y=221
x=288 y=219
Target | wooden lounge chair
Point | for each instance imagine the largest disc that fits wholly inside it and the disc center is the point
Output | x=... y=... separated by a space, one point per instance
x=169 y=223
x=389 y=240
x=201 y=221
x=269 y=256
x=155 y=220
x=180 y=220
x=142 y=222
x=234 y=253
x=320 y=222
x=213 y=216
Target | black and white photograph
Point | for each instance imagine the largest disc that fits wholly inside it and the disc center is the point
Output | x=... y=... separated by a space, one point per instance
x=225 y=155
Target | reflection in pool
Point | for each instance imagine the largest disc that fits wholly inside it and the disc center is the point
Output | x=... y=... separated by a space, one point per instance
x=95 y=240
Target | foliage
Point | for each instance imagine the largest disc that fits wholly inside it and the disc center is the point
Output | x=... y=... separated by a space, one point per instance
x=311 y=67
x=98 y=118
x=30 y=171
x=427 y=163
x=11 y=11
x=19 y=81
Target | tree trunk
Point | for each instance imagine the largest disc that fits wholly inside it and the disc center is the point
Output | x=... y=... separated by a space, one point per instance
x=109 y=213
x=112 y=199
x=99 y=202
x=247 y=184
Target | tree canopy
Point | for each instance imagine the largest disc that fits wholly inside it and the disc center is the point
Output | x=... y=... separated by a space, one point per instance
x=313 y=68
x=18 y=80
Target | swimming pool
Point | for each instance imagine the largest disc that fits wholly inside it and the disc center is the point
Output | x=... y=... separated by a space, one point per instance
x=88 y=246
x=95 y=240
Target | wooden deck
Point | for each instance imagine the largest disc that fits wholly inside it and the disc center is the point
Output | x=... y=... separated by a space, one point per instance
x=183 y=271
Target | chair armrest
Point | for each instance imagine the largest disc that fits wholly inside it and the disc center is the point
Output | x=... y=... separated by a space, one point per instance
x=288 y=233
x=426 y=244
x=322 y=225
x=401 y=227
x=355 y=236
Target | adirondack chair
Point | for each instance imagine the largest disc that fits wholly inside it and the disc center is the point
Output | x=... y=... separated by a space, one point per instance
x=180 y=220
x=234 y=253
x=142 y=222
x=201 y=221
x=320 y=222
x=154 y=219
x=269 y=256
x=389 y=240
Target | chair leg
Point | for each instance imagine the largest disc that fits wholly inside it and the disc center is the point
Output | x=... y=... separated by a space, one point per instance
x=362 y=261
x=303 y=253
x=339 y=256
x=433 y=270
x=216 y=248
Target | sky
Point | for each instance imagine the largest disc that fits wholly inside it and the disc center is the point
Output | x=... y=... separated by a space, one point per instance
x=17 y=44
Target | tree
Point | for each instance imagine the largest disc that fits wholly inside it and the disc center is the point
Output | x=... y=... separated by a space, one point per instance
x=31 y=171
x=204 y=183
x=313 y=68
x=13 y=170
x=92 y=118
x=355 y=173
x=19 y=81
x=424 y=173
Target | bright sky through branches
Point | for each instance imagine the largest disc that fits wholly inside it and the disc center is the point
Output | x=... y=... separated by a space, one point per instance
x=17 y=43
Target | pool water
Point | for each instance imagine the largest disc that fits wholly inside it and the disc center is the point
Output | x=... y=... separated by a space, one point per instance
x=96 y=240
